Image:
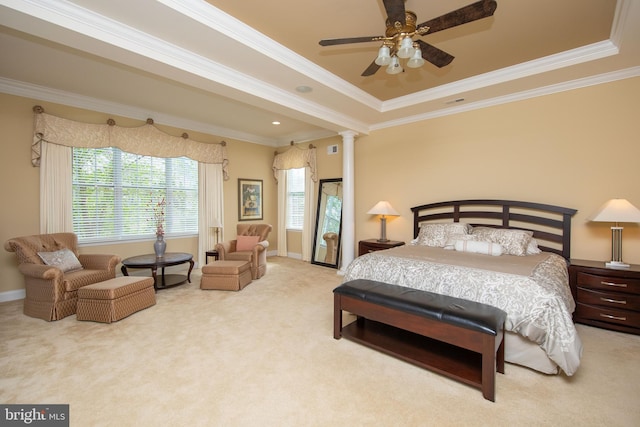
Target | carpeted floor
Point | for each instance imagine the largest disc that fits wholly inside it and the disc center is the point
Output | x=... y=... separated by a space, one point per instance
x=265 y=356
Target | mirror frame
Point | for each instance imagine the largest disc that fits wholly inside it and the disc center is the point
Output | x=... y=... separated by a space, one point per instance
x=318 y=228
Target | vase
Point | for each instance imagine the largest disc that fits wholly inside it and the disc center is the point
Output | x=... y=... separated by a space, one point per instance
x=159 y=246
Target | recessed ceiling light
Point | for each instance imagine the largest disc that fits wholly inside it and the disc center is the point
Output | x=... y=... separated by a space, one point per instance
x=275 y=123
x=304 y=89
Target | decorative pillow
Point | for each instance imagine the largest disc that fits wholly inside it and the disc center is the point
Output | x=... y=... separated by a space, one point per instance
x=246 y=243
x=532 y=248
x=438 y=234
x=478 y=247
x=451 y=241
x=64 y=259
x=514 y=242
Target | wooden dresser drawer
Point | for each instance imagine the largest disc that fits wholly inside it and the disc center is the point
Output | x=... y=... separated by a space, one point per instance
x=606 y=297
x=618 y=301
x=626 y=318
x=608 y=283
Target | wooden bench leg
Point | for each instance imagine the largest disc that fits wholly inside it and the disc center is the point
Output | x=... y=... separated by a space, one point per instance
x=337 y=317
x=500 y=355
x=489 y=367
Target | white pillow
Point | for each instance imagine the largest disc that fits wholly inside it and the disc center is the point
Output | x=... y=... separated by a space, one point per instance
x=64 y=259
x=438 y=234
x=451 y=241
x=478 y=247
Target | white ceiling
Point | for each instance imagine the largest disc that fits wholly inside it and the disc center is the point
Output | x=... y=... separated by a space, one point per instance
x=231 y=68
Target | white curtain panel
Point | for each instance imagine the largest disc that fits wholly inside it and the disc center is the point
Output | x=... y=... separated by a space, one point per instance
x=281 y=176
x=55 y=189
x=309 y=214
x=210 y=206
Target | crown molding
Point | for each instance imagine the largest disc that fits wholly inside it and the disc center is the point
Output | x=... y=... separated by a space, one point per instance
x=549 y=63
x=224 y=23
x=42 y=93
x=519 y=96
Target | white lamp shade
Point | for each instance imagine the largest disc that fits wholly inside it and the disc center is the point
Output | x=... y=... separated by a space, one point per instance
x=215 y=223
x=416 y=60
x=406 y=48
x=617 y=210
x=383 y=208
x=384 y=56
x=394 y=67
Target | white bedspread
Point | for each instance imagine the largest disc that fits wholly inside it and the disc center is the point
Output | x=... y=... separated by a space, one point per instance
x=533 y=290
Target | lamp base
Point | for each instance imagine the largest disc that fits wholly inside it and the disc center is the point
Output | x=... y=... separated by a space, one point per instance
x=616 y=264
x=383 y=240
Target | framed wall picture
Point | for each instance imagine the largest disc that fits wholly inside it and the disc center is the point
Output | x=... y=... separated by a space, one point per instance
x=249 y=199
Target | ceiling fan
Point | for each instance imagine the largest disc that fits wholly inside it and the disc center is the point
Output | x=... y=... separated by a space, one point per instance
x=401 y=29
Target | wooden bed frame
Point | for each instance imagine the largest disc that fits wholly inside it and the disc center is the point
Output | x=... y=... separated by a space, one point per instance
x=551 y=225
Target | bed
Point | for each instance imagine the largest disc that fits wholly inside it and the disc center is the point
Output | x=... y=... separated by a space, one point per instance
x=509 y=254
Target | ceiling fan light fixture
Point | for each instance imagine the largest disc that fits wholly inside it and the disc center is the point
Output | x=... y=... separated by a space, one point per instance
x=406 y=48
x=394 y=67
x=416 y=60
x=384 y=56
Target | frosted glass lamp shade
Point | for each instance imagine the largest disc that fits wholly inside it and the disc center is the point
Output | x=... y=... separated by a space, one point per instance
x=406 y=48
x=394 y=67
x=384 y=56
x=416 y=60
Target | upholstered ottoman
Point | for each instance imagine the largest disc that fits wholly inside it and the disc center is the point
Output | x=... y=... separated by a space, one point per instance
x=115 y=299
x=226 y=275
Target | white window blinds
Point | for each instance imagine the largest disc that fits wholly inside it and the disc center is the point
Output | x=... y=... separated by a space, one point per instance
x=295 y=199
x=114 y=193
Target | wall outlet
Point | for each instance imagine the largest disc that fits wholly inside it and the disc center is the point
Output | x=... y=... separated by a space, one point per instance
x=332 y=149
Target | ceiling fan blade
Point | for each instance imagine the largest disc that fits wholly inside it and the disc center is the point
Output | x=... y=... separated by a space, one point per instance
x=333 y=42
x=395 y=11
x=371 y=70
x=472 y=12
x=437 y=57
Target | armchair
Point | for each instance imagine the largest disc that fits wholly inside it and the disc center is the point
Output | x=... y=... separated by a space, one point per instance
x=252 y=249
x=52 y=287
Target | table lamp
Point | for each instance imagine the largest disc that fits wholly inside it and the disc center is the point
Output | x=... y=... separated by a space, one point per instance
x=616 y=211
x=216 y=225
x=383 y=208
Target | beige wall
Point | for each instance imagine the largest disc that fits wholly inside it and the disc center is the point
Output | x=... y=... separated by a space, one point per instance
x=576 y=149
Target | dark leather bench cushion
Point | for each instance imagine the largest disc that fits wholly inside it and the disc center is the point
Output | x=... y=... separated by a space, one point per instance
x=456 y=311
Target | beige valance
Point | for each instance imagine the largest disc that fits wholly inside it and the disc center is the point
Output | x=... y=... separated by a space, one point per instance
x=146 y=140
x=295 y=158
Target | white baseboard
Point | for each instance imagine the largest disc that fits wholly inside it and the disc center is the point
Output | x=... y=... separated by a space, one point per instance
x=12 y=295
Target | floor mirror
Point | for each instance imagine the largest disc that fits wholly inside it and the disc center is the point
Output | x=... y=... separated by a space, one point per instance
x=326 y=243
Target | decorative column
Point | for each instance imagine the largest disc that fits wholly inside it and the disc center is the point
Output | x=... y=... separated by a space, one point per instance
x=348 y=200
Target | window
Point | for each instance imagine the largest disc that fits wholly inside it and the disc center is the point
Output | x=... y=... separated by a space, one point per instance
x=113 y=194
x=295 y=199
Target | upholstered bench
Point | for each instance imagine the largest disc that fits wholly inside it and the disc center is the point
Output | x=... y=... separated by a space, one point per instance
x=115 y=299
x=454 y=337
x=226 y=275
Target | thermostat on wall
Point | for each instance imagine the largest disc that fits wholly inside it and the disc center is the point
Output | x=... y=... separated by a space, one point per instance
x=332 y=149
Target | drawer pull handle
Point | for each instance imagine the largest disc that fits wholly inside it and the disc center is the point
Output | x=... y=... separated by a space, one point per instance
x=617 y=301
x=608 y=316
x=619 y=285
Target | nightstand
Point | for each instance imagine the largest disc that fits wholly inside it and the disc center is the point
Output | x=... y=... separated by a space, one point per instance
x=606 y=297
x=372 y=245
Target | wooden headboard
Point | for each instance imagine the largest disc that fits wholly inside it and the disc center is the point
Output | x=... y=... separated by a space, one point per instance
x=551 y=225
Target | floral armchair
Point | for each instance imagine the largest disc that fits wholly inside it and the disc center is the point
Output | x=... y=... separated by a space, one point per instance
x=250 y=245
x=54 y=271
